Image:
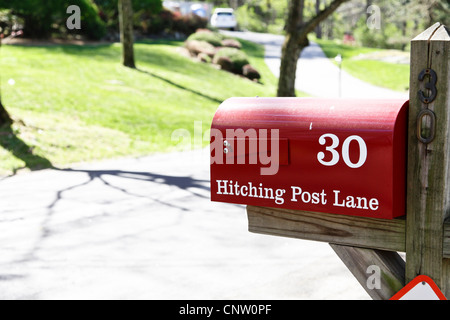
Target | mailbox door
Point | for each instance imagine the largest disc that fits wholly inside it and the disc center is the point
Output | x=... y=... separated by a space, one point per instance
x=320 y=155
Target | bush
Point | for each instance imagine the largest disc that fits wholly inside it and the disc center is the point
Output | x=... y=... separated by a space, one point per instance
x=41 y=19
x=238 y=58
x=213 y=38
x=231 y=43
x=167 y=22
x=203 y=57
x=389 y=37
x=93 y=26
x=250 y=72
x=225 y=63
x=196 y=47
x=188 y=24
x=158 y=23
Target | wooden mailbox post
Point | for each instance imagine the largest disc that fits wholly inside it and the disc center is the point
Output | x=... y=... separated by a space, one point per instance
x=424 y=234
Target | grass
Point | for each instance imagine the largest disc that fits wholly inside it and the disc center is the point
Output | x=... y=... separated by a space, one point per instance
x=78 y=103
x=384 y=74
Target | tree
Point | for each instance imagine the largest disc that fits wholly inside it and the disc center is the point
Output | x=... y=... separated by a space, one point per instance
x=296 y=40
x=126 y=32
x=5 y=119
x=42 y=18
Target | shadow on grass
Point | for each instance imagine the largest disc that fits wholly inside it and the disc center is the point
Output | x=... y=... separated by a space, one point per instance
x=11 y=142
x=179 y=86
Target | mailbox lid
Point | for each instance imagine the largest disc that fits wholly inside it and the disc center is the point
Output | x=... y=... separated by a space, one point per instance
x=299 y=113
x=380 y=125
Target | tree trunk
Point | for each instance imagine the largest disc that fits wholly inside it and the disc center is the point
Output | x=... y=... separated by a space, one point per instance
x=290 y=52
x=5 y=119
x=296 y=39
x=319 y=27
x=126 y=32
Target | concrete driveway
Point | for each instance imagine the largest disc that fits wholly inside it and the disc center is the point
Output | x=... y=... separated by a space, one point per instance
x=146 y=229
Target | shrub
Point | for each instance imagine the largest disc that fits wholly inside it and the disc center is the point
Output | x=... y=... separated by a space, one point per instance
x=203 y=57
x=211 y=37
x=93 y=26
x=250 y=72
x=196 y=47
x=158 y=23
x=238 y=58
x=231 y=43
x=188 y=24
x=225 y=63
x=41 y=19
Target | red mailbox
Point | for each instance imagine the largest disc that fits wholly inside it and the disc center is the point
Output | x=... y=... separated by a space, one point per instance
x=320 y=155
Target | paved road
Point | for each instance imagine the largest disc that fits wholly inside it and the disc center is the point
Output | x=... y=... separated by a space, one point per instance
x=316 y=74
x=146 y=229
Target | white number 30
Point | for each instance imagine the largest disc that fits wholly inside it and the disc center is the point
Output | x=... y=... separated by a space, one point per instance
x=345 y=150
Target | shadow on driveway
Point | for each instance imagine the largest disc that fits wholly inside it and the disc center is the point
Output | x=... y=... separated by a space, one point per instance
x=185 y=183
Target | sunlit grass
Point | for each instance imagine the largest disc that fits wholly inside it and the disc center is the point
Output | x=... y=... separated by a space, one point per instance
x=78 y=103
x=384 y=74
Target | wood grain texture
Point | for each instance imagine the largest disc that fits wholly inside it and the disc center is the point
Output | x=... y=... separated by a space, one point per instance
x=362 y=232
x=380 y=273
x=332 y=228
x=428 y=175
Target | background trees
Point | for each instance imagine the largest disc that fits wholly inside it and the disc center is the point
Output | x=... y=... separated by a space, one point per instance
x=401 y=19
x=297 y=30
x=40 y=19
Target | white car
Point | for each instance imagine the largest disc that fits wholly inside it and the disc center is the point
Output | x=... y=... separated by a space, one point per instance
x=224 y=18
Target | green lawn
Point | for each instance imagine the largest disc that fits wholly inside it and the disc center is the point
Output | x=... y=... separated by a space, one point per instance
x=77 y=103
x=384 y=74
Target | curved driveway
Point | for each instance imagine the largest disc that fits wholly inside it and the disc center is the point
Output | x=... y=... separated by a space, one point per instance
x=316 y=74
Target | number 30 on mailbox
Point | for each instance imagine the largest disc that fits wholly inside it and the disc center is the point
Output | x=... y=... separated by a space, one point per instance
x=320 y=155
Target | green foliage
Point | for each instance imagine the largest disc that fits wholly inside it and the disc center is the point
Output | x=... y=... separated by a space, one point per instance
x=188 y=24
x=213 y=38
x=237 y=57
x=247 y=20
x=142 y=9
x=92 y=25
x=400 y=21
x=262 y=15
x=110 y=6
x=41 y=18
x=361 y=63
x=388 y=37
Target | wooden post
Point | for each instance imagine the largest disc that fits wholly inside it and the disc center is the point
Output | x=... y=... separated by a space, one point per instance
x=428 y=177
x=388 y=267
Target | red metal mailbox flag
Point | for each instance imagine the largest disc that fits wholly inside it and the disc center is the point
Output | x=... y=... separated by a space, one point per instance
x=320 y=155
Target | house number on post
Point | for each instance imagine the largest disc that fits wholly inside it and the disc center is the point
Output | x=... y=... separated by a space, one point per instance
x=426 y=119
x=430 y=85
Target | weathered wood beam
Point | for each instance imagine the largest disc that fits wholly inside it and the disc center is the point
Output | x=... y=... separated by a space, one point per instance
x=332 y=228
x=381 y=273
x=389 y=235
x=428 y=177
